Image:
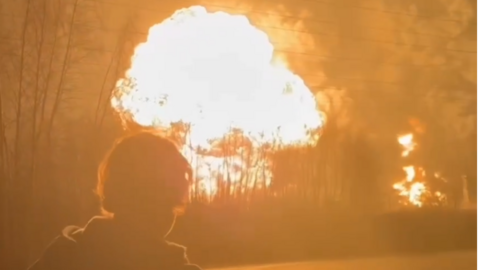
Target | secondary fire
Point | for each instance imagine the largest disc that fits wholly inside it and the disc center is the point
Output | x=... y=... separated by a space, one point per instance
x=211 y=81
x=407 y=143
x=413 y=188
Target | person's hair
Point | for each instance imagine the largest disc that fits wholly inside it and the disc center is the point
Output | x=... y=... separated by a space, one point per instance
x=142 y=168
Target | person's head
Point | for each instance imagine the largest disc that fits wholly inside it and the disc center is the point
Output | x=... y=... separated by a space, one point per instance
x=144 y=179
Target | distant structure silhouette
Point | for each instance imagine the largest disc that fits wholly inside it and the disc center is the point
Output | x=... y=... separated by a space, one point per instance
x=142 y=184
x=466 y=201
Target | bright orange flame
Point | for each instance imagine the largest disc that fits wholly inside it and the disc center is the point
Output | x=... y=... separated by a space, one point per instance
x=215 y=74
x=410 y=171
x=407 y=142
x=411 y=188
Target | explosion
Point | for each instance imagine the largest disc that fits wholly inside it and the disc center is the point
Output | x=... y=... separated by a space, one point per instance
x=413 y=187
x=210 y=80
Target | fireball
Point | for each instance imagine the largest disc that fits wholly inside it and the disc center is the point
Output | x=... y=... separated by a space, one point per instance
x=211 y=81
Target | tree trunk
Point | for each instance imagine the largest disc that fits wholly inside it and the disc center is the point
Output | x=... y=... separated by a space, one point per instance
x=3 y=192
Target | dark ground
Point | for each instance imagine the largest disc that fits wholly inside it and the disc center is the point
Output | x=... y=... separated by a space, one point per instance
x=299 y=235
x=440 y=261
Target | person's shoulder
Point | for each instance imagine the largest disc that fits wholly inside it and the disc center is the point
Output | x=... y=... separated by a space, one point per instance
x=67 y=240
x=191 y=267
x=60 y=250
x=178 y=254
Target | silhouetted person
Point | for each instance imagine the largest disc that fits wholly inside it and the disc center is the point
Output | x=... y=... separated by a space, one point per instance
x=142 y=183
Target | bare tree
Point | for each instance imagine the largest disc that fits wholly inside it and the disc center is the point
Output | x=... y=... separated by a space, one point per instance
x=37 y=97
x=4 y=178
